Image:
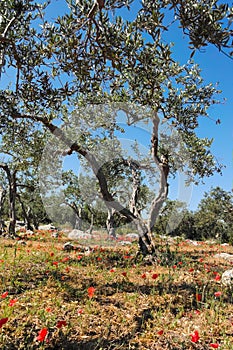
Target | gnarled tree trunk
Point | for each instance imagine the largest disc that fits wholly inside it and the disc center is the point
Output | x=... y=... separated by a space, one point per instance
x=26 y=214
x=2 y=200
x=12 y=201
x=78 y=215
x=12 y=186
x=110 y=223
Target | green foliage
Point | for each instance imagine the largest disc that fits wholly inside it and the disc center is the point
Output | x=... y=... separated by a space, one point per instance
x=206 y=22
x=171 y=217
x=213 y=218
x=76 y=60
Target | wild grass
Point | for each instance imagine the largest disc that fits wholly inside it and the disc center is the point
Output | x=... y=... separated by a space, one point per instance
x=47 y=301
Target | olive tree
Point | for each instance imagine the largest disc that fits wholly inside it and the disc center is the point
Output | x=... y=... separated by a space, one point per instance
x=20 y=151
x=91 y=54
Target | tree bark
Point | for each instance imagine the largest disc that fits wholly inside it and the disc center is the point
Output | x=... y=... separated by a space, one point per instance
x=12 y=200
x=163 y=167
x=2 y=200
x=35 y=221
x=26 y=214
x=91 y=224
x=110 y=223
x=136 y=188
x=11 y=178
x=78 y=215
x=78 y=220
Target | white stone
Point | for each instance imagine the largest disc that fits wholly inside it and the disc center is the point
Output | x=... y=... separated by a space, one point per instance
x=190 y=241
x=78 y=234
x=68 y=246
x=47 y=227
x=125 y=243
x=227 y=278
x=132 y=236
x=225 y=256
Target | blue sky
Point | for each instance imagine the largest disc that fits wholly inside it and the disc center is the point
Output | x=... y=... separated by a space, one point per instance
x=216 y=68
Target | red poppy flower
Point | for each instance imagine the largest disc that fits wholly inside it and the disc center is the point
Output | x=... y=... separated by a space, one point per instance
x=48 y=309
x=160 y=332
x=198 y=297
x=4 y=295
x=80 y=311
x=55 y=263
x=155 y=275
x=65 y=259
x=197 y=312
x=12 y=302
x=112 y=270
x=195 y=336
x=214 y=345
x=191 y=269
x=91 y=291
x=61 y=323
x=42 y=334
x=174 y=266
x=3 y=321
x=217 y=294
x=217 y=278
x=124 y=274
x=143 y=275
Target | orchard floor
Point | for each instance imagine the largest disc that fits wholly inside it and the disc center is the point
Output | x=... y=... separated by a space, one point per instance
x=106 y=299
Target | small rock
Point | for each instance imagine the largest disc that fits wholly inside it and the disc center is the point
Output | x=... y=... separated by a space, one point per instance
x=47 y=227
x=227 y=278
x=195 y=243
x=78 y=234
x=224 y=256
x=125 y=243
x=68 y=246
x=132 y=236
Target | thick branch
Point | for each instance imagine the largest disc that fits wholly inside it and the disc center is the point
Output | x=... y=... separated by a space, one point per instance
x=163 y=167
x=136 y=188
